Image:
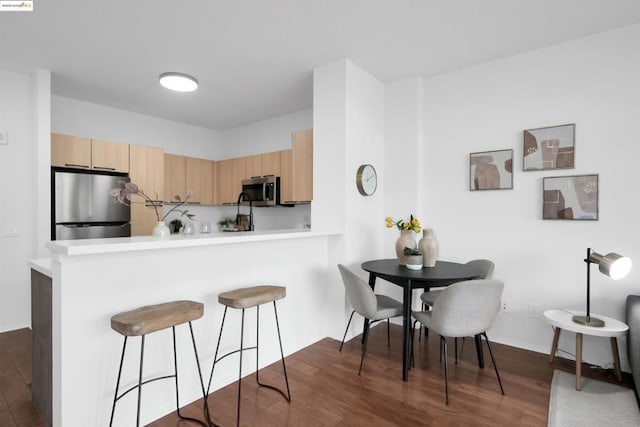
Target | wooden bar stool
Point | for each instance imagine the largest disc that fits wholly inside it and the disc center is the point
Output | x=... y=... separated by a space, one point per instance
x=246 y=298
x=153 y=318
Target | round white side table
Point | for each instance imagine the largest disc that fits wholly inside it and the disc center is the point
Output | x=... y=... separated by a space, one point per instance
x=562 y=319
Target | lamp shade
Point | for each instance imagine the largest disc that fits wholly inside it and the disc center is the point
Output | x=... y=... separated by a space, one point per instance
x=179 y=82
x=613 y=265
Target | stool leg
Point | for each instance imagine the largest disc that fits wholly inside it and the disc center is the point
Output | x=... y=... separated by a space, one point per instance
x=115 y=396
x=240 y=371
x=195 y=352
x=175 y=366
x=215 y=358
x=284 y=368
x=140 y=382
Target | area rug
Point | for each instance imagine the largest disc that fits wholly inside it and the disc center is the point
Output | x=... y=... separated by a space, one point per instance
x=598 y=404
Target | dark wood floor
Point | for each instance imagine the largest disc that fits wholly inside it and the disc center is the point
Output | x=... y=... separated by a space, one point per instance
x=327 y=391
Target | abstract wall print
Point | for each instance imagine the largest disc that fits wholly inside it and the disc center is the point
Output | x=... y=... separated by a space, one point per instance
x=570 y=197
x=491 y=170
x=549 y=148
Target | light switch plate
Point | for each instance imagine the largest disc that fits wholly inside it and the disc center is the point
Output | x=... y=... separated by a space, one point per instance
x=4 y=138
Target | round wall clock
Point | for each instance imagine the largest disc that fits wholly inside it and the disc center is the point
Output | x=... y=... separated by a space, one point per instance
x=366 y=180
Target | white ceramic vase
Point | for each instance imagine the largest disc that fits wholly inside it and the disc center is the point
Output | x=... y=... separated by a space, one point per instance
x=405 y=240
x=161 y=230
x=414 y=262
x=428 y=245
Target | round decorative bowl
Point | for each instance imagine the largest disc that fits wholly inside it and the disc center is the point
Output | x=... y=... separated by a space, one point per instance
x=414 y=266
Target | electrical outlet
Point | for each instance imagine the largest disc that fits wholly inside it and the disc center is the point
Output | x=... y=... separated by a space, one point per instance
x=534 y=311
x=503 y=305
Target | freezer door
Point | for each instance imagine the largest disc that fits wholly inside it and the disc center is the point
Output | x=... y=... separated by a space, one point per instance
x=87 y=231
x=82 y=197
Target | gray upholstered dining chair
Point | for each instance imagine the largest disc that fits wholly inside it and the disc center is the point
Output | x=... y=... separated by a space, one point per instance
x=485 y=266
x=366 y=303
x=429 y=298
x=464 y=309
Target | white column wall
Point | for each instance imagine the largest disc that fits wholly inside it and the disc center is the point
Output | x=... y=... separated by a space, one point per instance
x=348 y=118
x=23 y=116
x=592 y=82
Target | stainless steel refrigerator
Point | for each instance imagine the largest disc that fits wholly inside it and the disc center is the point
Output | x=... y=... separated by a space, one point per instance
x=83 y=207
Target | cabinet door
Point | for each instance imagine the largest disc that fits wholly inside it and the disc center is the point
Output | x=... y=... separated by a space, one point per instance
x=253 y=166
x=109 y=156
x=192 y=180
x=206 y=181
x=224 y=182
x=302 y=145
x=271 y=163
x=175 y=168
x=146 y=171
x=286 y=176
x=239 y=173
x=70 y=151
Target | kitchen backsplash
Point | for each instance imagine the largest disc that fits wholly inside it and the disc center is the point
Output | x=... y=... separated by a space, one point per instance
x=271 y=218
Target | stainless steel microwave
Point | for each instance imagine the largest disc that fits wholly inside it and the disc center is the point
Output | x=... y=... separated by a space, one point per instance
x=263 y=191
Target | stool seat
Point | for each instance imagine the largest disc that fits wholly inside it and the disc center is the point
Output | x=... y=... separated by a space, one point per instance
x=253 y=296
x=152 y=318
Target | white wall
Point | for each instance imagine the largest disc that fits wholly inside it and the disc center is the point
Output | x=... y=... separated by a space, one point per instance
x=262 y=137
x=23 y=113
x=592 y=82
x=73 y=117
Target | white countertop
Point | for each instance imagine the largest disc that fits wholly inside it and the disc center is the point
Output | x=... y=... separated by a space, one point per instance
x=140 y=243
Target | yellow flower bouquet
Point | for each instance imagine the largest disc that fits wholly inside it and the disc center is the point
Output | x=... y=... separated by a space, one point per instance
x=412 y=224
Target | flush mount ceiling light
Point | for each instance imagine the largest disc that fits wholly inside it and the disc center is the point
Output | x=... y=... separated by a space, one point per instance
x=179 y=82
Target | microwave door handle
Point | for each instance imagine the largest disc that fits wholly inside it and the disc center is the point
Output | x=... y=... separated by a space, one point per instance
x=264 y=191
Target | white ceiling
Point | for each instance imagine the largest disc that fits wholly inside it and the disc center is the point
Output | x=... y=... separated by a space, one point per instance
x=254 y=59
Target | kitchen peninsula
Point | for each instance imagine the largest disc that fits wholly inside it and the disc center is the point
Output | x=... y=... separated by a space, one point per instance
x=96 y=278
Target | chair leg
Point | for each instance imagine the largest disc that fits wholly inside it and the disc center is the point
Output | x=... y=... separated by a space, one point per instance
x=115 y=396
x=364 y=347
x=412 y=361
x=455 y=343
x=443 y=341
x=388 y=335
x=493 y=360
x=346 y=330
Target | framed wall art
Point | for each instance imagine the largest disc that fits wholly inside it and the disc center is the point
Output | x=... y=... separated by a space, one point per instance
x=549 y=148
x=491 y=170
x=570 y=197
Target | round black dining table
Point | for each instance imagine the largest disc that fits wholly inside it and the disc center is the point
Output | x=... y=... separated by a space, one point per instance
x=442 y=274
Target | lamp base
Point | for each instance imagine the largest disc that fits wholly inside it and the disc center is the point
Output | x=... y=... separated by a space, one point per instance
x=588 y=321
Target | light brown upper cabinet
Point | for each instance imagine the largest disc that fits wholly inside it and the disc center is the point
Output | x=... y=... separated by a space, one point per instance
x=147 y=172
x=296 y=169
x=223 y=182
x=271 y=163
x=199 y=179
x=253 y=166
x=86 y=153
x=175 y=175
x=109 y=156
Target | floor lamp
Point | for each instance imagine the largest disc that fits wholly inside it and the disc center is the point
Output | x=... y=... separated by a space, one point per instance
x=613 y=265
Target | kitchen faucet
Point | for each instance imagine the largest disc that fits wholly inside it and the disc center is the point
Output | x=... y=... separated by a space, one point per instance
x=240 y=197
